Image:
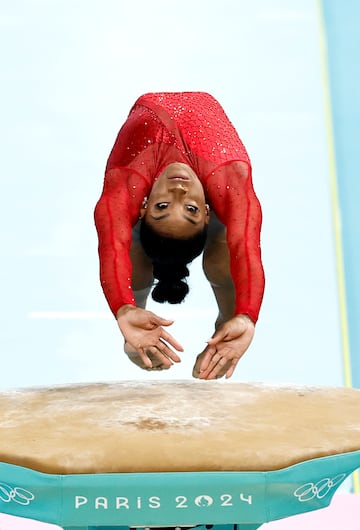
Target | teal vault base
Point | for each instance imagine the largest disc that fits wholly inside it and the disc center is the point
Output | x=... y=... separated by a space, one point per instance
x=219 y=500
x=200 y=527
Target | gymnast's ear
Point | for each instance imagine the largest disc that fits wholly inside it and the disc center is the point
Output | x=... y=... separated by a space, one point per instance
x=143 y=208
x=207 y=214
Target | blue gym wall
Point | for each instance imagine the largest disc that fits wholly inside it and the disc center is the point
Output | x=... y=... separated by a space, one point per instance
x=341 y=20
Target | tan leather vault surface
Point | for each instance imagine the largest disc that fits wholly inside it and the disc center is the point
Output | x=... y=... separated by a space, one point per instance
x=175 y=426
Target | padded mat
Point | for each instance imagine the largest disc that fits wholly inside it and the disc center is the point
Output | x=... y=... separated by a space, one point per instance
x=176 y=426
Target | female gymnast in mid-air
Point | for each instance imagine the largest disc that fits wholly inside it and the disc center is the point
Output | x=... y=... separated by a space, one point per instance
x=177 y=184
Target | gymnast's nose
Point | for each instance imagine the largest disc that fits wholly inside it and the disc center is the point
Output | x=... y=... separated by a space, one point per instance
x=179 y=189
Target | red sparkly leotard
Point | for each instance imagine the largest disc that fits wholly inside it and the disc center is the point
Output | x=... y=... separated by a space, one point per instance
x=192 y=128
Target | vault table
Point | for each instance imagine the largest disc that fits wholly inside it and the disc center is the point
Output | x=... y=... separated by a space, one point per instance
x=177 y=453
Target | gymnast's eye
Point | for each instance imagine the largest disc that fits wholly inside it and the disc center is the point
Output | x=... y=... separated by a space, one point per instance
x=162 y=205
x=192 y=209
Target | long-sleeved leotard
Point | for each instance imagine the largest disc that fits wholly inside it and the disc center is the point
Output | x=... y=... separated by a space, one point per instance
x=192 y=128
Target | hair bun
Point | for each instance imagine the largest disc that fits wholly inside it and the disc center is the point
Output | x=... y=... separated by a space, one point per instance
x=175 y=271
x=173 y=292
x=170 y=286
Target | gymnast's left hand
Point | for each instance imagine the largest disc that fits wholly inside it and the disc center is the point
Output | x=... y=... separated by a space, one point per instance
x=225 y=349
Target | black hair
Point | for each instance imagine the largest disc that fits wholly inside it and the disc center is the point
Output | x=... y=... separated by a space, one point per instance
x=170 y=257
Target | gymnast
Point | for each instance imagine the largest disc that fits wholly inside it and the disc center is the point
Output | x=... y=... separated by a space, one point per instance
x=177 y=184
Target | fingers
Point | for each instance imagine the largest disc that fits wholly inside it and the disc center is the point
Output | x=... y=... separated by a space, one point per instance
x=165 y=336
x=231 y=370
x=170 y=339
x=140 y=359
x=149 y=361
x=152 y=357
x=218 y=367
x=214 y=364
x=167 y=352
x=222 y=335
x=218 y=337
x=202 y=361
x=159 y=321
x=159 y=361
x=163 y=354
x=164 y=321
x=145 y=359
x=206 y=362
x=209 y=352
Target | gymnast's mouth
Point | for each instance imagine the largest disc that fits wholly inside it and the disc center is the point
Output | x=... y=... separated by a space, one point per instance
x=179 y=177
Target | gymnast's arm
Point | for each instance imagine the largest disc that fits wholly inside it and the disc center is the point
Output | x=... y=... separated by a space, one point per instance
x=116 y=213
x=237 y=207
x=232 y=264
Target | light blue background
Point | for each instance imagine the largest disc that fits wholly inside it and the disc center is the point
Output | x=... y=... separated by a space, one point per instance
x=70 y=72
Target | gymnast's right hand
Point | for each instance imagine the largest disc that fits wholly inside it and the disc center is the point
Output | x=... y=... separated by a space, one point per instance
x=147 y=344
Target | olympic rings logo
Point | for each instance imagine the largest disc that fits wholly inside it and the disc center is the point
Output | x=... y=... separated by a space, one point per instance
x=18 y=495
x=310 y=491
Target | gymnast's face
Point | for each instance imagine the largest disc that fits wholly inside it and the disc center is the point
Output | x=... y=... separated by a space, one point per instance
x=176 y=205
